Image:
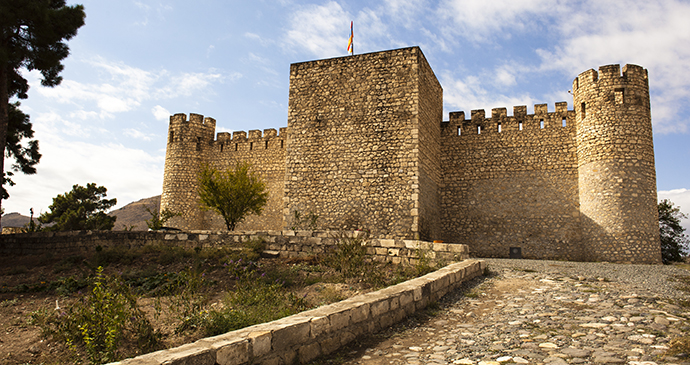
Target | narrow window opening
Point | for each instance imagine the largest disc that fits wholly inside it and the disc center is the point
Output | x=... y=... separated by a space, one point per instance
x=281 y=143
x=221 y=147
x=236 y=147
x=198 y=143
x=583 y=110
x=499 y=127
x=563 y=122
x=541 y=124
x=266 y=145
x=520 y=126
x=479 y=129
x=619 y=96
x=459 y=131
x=251 y=146
x=172 y=136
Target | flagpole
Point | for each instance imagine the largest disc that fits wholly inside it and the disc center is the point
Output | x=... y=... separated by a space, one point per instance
x=351 y=41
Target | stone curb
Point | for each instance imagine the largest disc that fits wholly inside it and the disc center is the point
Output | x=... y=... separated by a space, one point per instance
x=303 y=337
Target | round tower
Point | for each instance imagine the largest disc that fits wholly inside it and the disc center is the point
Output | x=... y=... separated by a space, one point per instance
x=617 y=177
x=188 y=148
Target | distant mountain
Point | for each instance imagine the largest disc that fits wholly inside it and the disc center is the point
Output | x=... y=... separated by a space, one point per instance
x=15 y=220
x=135 y=214
x=132 y=214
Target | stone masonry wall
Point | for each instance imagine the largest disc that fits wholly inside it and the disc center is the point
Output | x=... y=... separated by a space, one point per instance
x=279 y=243
x=617 y=177
x=353 y=151
x=266 y=153
x=513 y=183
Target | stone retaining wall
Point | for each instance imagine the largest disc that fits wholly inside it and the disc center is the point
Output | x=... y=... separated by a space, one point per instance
x=302 y=337
x=280 y=243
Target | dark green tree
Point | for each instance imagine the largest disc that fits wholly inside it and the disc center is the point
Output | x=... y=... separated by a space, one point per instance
x=673 y=239
x=83 y=208
x=233 y=193
x=32 y=36
x=26 y=156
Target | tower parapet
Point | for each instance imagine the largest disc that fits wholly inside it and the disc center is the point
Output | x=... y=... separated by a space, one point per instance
x=617 y=178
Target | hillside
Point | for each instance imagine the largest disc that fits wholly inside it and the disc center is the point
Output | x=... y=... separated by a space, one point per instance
x=132 y=214
x=135 y=214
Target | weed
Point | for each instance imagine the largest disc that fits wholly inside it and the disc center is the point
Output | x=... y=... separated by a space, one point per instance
x=100 y=322
x=349 y=256
x=9 y=302
x=679 y=345
x=307 y=222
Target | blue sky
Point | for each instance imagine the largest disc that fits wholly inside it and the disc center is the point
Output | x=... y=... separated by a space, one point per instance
x=136 y=62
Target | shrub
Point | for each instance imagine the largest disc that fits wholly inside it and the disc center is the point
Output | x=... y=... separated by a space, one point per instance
x=100 y=322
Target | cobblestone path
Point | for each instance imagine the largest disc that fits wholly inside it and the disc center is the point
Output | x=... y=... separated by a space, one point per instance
x=526 y=315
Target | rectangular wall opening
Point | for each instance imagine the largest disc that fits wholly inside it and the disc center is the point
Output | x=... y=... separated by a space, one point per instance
x=479 y=129
x=563 y=122
x=541 y=124
x=499 y=127
x=459 y=131
x=619 y=95
x=520 y=125
x=583 y=110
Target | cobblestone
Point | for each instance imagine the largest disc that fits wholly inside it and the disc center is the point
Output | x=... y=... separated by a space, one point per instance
x=529 y=312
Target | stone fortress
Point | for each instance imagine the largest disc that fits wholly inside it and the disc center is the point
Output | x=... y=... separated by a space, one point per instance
x=366 y=147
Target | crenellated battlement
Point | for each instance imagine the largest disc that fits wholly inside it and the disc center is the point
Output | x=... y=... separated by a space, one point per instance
x=611 y=75
x=250 y=140
x=501 y=122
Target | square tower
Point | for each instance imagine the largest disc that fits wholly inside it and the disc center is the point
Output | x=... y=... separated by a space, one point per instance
x=363 y=150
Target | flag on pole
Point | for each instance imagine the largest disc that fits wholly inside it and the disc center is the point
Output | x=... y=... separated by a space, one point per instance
x=350 y=42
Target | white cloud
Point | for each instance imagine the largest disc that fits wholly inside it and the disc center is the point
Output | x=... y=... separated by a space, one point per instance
x=681 y=198
x=126 y=88
x=136 y=134
x=128 y=174
x=322 y=30
x=161 y=113
x=469 y=93
x=481 y=21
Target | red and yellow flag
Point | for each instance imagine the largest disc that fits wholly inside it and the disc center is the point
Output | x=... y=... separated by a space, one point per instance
x=350 y=43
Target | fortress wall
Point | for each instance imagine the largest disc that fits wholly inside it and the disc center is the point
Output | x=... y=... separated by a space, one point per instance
x=616 y=165
x=352 y=152
x=513 y=188
x=428 y=131
x=266 y=153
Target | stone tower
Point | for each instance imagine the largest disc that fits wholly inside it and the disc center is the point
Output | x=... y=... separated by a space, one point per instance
x=616 y=174
x=189 y=145
x=364 y=143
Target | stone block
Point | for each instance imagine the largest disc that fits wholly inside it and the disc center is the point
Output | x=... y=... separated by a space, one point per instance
x=320 y=326
x=330 y=344
x=261 y=343
x=359 y=312
x=379 y=307
x=386 y=243
x=309 y=352
x=232 y=352
x=288 y=332
x=340 y=319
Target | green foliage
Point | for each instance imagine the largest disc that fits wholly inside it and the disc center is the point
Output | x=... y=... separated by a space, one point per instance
x=26 y=156
x=101 y=322
x=158 y=218
x=257 y=298
x=33 y=35
x=83 y=208
x=307 y=222
x=350 y=256
x=674 y=242
x=233 y=193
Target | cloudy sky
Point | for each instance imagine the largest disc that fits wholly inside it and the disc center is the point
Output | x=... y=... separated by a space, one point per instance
x=135 y=62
